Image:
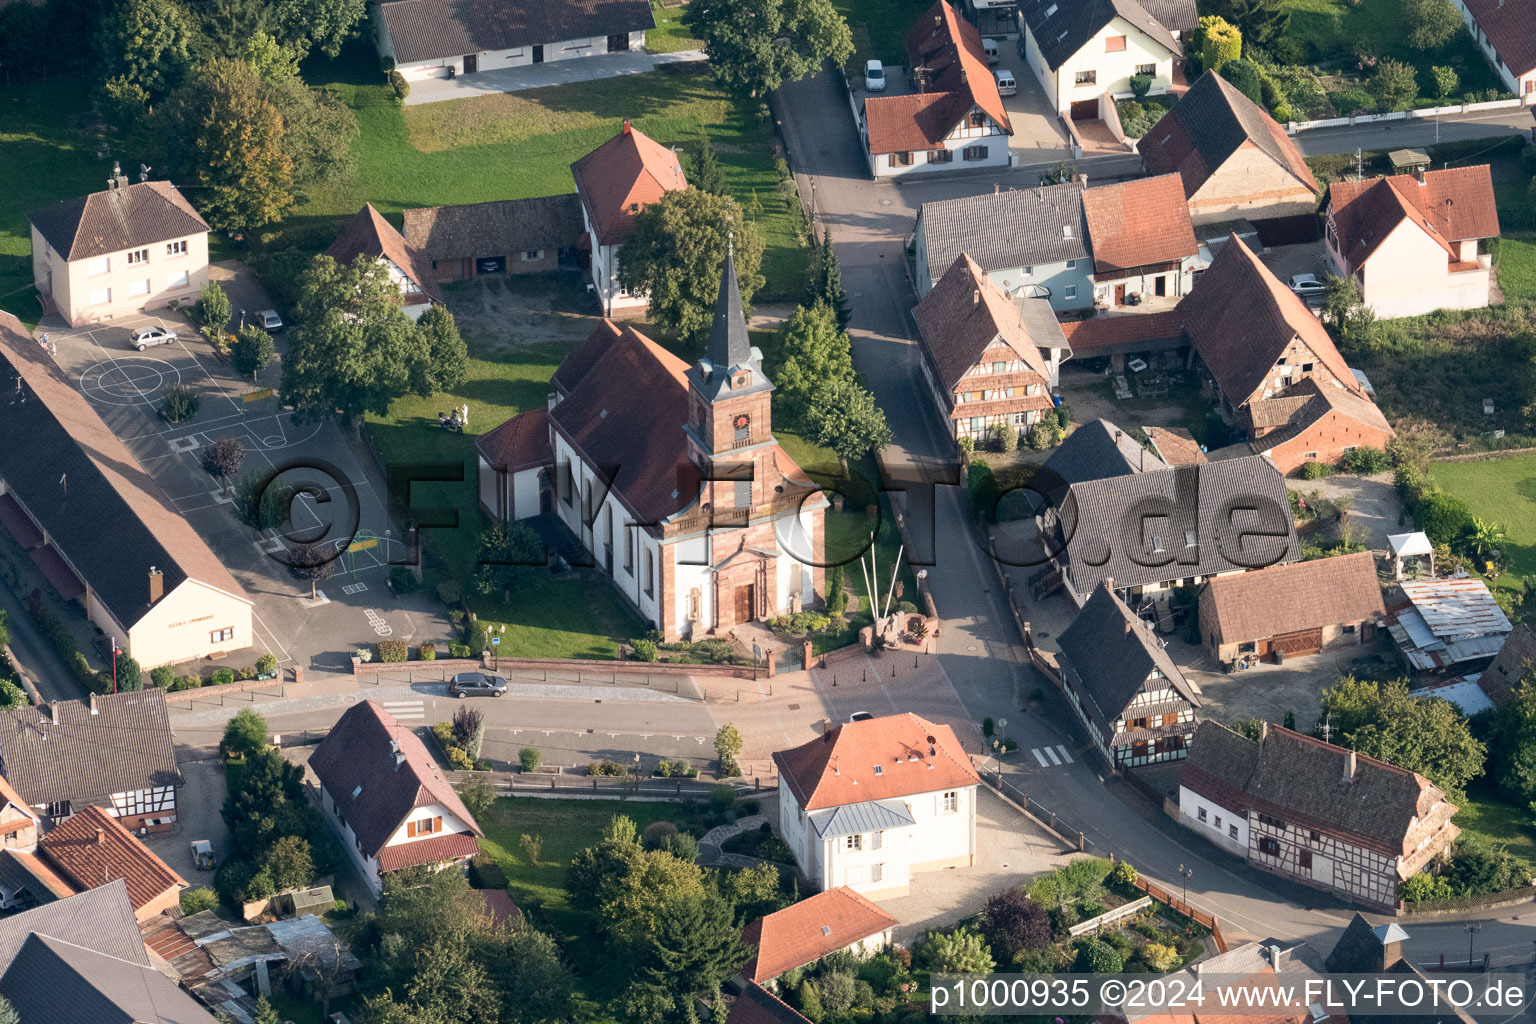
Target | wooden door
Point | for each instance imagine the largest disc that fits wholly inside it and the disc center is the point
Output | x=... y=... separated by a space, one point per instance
x=471 y=63
x=746 y=603
x=1119 y=294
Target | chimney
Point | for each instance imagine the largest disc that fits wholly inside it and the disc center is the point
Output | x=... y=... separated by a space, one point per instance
x=932 y=750
x=1349 y=768
x=1274 y=955
x=1391 y=947
x=835 y=769
x=975 y=296
x=1109 y=584
x=826 y=730
x=997 y=187
x=53 y=713
x=94 y=709
x=156 y=585
x=399 y=760
x=1082 y=181
x=101 y=837
x=1263 y=731
x=628 y=130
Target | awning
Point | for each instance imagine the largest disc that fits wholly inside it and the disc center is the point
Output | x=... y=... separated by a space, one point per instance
x=17 y=523
x=58 y=572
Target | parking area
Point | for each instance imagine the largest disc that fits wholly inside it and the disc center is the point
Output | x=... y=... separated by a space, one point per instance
x=198 y=803
x=1286 y=261
x=1037 y=135
x=340 y=504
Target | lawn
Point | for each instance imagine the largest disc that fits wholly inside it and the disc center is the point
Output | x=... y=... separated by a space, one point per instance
x=880 y=26
x=515 y=145
x=1503 y=490
x=670 y=35
x=48 y=157
x=1500 y=823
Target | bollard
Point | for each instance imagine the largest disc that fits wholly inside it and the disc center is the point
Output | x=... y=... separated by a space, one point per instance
x=893 y=670
x=866 y=676
x=1079 y=841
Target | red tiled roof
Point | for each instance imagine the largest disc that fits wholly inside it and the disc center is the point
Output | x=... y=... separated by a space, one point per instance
x=1085 y=336
x=949 y=48
x=1288 y=598
x=1175 y=445
x=9 y=795
x=1316 y=402
x=839 y=767
x=369 y=234
x=1511 y=26
x=1452 y=205
x=617 y=179
x=1139 y=223
x=522 y=442
x=1240 y=290
x=809 y=930
x=91 y=848
x=428 y=851
x=44 y=873
x=965 y=313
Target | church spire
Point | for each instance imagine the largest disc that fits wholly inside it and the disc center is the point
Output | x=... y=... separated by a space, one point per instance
x=729 y=346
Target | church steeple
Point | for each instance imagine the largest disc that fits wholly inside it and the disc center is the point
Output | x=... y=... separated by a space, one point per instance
x=728 y=343
x=729 y=388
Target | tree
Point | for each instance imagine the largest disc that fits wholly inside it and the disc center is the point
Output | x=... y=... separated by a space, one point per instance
x=223 y=136
x=1246 y=77
x=1385 y=721
x=695 y=947
x=1262 y=22
x=447 y=982
x=674 y=253
x=289 y=863
x=1444 y=517
x=246 y=733
x=727 y=748
x=11 y=695
x=1477 y=866
x=224 y=457
x=312 y=563
x=1485 y=537
x=755 y=46
x=323 y=25
x=636 y=900
x=753 y=891
x=704 y=168
x=961 y=951
x=1012 y=923
x=24 y=39
x=253 y=350
x=1431 y=23
x=843 y=416
x=505 y=553
x=318 y=130
x=1446 y=81
x=837 y=593
x=213 y=309
x=130 y=677
x=807 y=1001
x=354 y=350
x=1513 y=744
x=825 y=281
x=265 y=1012
x=145 y=44
x=445 y=359
x=536 y=986
x=468 y=729
x=814 y=349
x=1221 y=42
x=271 y=61
x=262 y=502
x=1395 y=85
x=478 y=795
x=1344 y=309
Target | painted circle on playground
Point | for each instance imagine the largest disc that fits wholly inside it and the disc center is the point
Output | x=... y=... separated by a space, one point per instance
x=128 y=381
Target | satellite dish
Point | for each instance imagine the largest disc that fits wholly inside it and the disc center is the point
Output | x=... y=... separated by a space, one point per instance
x=144 y=170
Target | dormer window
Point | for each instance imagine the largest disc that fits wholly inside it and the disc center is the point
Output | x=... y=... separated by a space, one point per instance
x=742 y=380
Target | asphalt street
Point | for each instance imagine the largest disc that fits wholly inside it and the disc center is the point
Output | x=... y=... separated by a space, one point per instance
x=979 y=644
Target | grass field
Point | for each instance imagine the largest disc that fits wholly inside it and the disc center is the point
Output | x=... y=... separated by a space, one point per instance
x=1501 y=824
x=1503 y=490
x=1330 y=29
x=515 y=145
x=670 y=35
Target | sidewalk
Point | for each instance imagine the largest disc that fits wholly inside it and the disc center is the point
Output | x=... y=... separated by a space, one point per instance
x=539 y=76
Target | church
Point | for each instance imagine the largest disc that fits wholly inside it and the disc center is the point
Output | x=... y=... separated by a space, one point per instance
x=670 y=476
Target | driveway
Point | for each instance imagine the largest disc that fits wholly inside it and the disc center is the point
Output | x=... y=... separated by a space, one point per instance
x=1375 y=510
x=1286 y=261
x=538 y=76
x=198 y=803
x=1037 y=135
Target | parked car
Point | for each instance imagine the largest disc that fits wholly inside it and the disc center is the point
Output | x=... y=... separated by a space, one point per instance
x=202 y=855
x=874 y=76
x=1006 y=86
x=989 y=47
x=144 y=337
x=1308 y=286
x=476 y=684
x=269 y=321
x=860 y=716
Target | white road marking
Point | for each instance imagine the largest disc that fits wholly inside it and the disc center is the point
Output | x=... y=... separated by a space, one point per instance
x=406 y=709
x=1052 y=755
x=1064 y=753
x=1040 y=757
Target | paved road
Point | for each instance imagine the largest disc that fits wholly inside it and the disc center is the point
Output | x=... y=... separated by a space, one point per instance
x=979 y=643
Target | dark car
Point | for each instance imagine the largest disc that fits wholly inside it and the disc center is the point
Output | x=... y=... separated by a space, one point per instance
x=476 y=684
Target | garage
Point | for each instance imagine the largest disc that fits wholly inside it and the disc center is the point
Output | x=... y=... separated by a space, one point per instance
x=1085 y=110
x=490 y=265
x=1303 y=641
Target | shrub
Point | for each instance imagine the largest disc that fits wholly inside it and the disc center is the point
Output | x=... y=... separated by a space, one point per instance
x=426 y=651
x=1160 y=957
x=1444 y=517
x=1424 y=886
x=645 y=650
x=1122 y=875
x=1095 y=956
x=800 y=623
x=1246 y=77
x=530 y=758
x=392 y=650
x=180 y=404
x=401 y=87
x=837 y=594
x=476 y=637
x=1221 y=42
x=459 y=651
x=607 y=768
x=988 y=727
x=485 y=873
x=961 y=951
x=1365 y=461
x=460 y=761
x=266 y=664
x=1045 y=434
x=722 y=798
x=1315 y=470
x=1446 y=81
x=1012 y=923
x=1063 y=416
x=656 y=834
x=1140 y=86
x=195 y=901
x=222 y=677
x=213 y=309
x=162 y=677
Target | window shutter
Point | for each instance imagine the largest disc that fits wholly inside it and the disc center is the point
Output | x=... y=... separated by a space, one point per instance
x=410 y=829
x=437 y=824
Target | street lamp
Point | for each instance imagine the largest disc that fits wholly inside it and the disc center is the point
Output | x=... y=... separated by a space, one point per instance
x=1471 y=928
x=1185 y=874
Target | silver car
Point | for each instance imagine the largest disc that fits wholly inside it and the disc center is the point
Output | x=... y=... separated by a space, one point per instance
x=145 y=337
x=269 y=321
x=1308 y=286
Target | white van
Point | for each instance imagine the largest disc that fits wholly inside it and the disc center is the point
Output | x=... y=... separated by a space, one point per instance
x=989 y=47
x=1006 y=86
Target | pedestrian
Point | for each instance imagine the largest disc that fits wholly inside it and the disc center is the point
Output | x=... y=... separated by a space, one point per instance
x=464 y=414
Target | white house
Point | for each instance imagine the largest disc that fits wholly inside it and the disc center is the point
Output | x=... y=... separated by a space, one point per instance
x=1085 y=52
x=442 y=38
x=369 y=235
x=1505 y=30
x=514 y=462
x=1032 y=242
x=129 y=249
x=383 y=794
x=149 y=580
x=806 y=931
x=953 y=119
x=870 y=804
x=614 y=182
x=1411 y=241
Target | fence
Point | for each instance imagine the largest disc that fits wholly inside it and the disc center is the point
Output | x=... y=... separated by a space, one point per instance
x=1110 y=917
x=1180 y=906
x=608 y=786
x=1411 y=115
x=1487 y=901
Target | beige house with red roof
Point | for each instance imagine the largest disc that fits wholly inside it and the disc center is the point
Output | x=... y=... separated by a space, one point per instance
x=1292 y=610
x=1411 y=241
x=953 y=119
x=670 y=476
x=870 y=804
x=990 y=360
x=1144 y=245
x=390 y=805
x=1505 y=30
x=369 y=235
x=811 y=929
x=614 y=182
x=1234 y=160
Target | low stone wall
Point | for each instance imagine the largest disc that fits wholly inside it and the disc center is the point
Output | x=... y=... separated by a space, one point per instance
x=223 y=689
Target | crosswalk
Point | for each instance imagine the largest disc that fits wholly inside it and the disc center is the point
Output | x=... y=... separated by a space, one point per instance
x=1048 y=756
x=406 y=710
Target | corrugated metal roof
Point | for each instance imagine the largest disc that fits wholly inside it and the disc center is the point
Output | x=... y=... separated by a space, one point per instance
x=1457 y=609
x=850 y=819
x=1463 y=692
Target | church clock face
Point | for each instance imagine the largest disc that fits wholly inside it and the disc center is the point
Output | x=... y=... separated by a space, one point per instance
x=742 y=421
